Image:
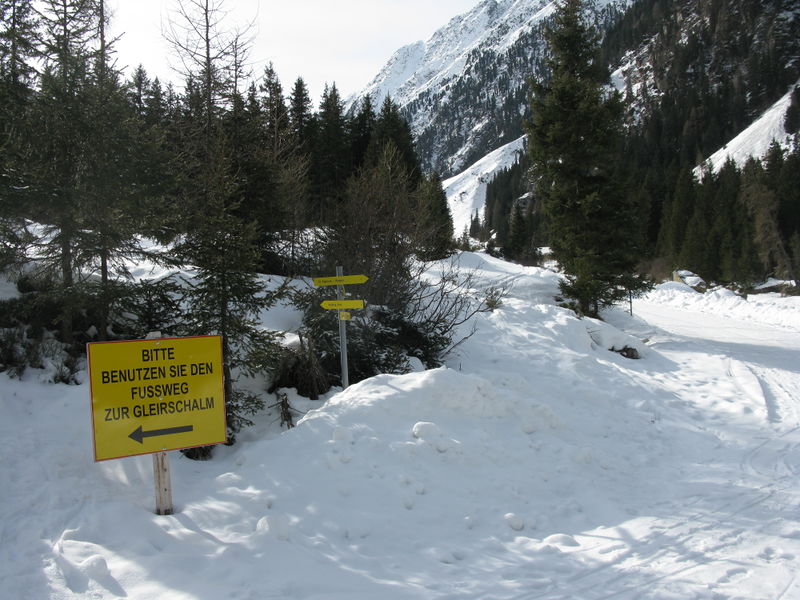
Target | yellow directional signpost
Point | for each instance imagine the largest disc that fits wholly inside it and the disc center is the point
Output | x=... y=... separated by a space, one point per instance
x=150 y=396
x=343 y=280
x=341 y=305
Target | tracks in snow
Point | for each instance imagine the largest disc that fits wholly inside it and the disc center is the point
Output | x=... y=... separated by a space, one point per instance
x=726 y=521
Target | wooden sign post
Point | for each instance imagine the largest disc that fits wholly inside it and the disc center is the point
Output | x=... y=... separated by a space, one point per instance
x=161 y=476
x=342 y=334
x=163 y=484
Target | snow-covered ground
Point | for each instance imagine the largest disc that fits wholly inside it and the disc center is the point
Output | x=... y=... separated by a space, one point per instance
x=536 y=464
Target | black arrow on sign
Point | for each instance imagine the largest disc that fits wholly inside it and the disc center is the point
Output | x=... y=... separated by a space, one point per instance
x=138 y=435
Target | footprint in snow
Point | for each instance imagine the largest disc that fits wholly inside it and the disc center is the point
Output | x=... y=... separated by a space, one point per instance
x=733 y=574
x=561 y=539
x=613 y=548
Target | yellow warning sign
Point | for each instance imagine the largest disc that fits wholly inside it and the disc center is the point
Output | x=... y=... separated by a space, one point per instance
x=154 y=395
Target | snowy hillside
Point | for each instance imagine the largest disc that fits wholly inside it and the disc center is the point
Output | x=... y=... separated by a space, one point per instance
x=536 y=464
x=756 y=139
x=464 y=87
x=428 y=65
x=466 y=192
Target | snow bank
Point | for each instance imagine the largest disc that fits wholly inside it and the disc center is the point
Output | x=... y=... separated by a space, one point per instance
x=766 y=309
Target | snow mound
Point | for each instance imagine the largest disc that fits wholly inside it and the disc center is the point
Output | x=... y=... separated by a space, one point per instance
x=766 y=309
x=609 y=337
x=423 y=397
x=691 y=279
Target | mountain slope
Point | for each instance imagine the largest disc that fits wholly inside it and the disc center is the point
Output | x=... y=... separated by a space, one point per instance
x=719 y=65
x=756 y=139
x=465 y=89
x=466 y=192
x=696 y=74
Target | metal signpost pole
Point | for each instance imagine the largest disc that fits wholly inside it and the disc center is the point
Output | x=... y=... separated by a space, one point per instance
x=342 y=306
x=342 y=332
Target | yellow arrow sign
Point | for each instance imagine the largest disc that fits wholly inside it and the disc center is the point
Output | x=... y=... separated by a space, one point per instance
x=342 y=304
x=342 y=280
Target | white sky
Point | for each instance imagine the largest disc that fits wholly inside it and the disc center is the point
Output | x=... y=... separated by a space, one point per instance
x=324 y=41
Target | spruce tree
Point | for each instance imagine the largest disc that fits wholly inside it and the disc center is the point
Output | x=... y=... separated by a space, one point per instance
x=251 y=145
x=392 y=128
x=518 y=238
x=694 y=248
x=284 y=159
x=331 y=160
x=226 y=294
x=475 y=228
x=154 y=154
x=435 y=220
x=276 y=114
x=794 y=249
x=724 y=238
x=788 y=184
x=362 y=126
x=113 y=191
x=762 y=205
x=301 y=117
x=245 y=128
x=18 y=29
x=574 y=145
x=677 y=212
x=58 y=142
x=791 y=122
x=17 y=48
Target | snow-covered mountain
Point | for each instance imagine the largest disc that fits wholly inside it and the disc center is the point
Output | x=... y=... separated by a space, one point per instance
x=429 y=65
x=715 y=75
x=465 y=88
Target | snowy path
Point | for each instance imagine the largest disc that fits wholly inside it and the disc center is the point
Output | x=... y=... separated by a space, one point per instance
x=735 y=518
x=724 y=399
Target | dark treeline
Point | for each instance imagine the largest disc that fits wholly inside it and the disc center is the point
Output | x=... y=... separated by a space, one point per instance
x=737 y=225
